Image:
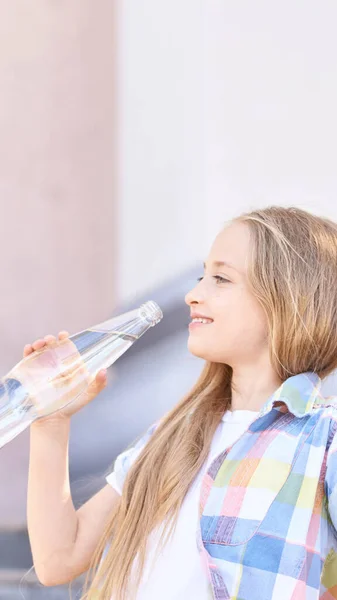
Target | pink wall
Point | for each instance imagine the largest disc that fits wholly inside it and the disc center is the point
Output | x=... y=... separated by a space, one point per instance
x=57 y=185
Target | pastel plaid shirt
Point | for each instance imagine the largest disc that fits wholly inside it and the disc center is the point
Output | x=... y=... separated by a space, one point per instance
x=268 y=503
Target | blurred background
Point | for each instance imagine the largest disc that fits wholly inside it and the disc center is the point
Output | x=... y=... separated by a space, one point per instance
x=131 y=131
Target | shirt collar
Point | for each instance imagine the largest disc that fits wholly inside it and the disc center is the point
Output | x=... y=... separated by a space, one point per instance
x=298 y=392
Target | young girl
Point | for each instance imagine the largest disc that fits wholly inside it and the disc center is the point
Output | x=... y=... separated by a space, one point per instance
x=232 y=493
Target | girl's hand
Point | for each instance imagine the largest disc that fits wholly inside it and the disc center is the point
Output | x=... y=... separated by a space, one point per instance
x=93 y=388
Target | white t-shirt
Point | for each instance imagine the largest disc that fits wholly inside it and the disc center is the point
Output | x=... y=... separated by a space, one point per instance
x=177 y=572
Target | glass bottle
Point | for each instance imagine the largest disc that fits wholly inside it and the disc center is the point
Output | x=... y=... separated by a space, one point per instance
x=49 y=379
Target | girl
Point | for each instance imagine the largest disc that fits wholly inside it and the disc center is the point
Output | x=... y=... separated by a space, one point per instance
x=232 y=493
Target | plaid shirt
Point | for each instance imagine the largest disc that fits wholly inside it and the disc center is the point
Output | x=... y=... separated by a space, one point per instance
x=268 y=503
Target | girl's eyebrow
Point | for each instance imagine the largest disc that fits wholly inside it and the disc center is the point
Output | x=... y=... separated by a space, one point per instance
x=221 y=263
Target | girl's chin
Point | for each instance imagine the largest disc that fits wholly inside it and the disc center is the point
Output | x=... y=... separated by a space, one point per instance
x=197 y=348
x=200 y=350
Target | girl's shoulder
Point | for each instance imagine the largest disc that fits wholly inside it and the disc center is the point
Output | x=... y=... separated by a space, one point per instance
x=125 y=459
x=327 y=405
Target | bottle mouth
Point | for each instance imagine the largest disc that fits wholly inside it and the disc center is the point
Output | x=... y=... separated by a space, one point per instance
x=151 y=312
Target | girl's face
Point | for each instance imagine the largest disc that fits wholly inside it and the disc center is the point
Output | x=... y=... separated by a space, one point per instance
x=237 y=335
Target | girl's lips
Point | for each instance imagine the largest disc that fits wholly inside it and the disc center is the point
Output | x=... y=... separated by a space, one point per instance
x=197 y=324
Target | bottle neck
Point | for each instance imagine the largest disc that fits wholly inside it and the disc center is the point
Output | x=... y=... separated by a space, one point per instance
x=132 y=323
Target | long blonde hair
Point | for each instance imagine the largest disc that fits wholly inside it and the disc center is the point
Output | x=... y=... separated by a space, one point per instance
x=293 y=274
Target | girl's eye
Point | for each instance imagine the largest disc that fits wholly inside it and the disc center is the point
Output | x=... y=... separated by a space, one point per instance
x=217 y=277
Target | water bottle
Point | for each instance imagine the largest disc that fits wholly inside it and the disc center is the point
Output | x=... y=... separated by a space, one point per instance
x=49 y=379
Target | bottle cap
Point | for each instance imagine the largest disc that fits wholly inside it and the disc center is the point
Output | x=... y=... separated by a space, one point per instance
x=151 y=312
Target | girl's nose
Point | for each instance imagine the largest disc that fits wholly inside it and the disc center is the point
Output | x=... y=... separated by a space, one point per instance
x=194 y=295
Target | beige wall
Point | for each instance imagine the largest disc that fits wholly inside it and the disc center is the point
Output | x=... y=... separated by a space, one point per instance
x=161 y=92
x=57 y=182
x=225 y=106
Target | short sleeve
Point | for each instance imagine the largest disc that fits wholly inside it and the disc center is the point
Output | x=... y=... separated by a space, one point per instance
x=331 y=475
x=124 y=460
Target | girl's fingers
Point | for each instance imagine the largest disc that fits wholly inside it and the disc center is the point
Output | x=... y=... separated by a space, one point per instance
x=101 y=377
x=96 y=386
x=63 y=335
x=41 y=342
x=38 y=344
x=49 y=338
x=28 y=349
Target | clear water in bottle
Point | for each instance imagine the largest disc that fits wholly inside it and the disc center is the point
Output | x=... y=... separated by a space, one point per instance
x=97 y=347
